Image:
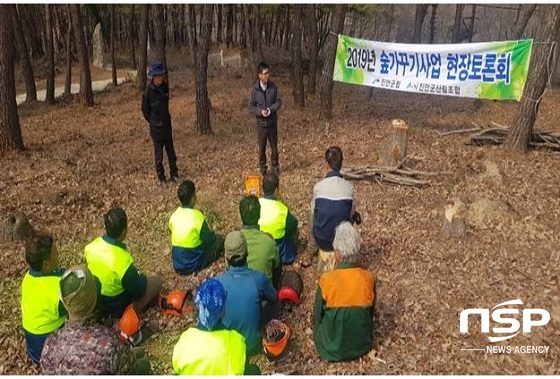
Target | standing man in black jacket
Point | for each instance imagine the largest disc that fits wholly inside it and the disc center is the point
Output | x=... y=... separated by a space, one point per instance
x=264 y=104
x=155 y=108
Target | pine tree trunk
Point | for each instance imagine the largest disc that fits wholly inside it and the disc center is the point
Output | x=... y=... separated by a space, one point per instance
x=473 y=17
x=219 y=26
x=68 y=80
x=248 y=35
x=326 y=85
x=86 y=94
x=287 y=28
x=421 y=10
x=10 y=132
x=457 y=23
x=191 y=32
x=141 y=76
x=132 y=37
x=229 y=25
x=159 y=34
x=433 y=23
x=528 y=10
x=312 y=17
x=297 y=69
x=257 y=32
x=30 y=89
x=113 y=61
x=526 y=113
x=203 y=126
x=49 y=97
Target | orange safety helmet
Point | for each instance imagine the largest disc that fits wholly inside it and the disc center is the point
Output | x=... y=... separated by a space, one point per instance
x=276 y=338
x=176 y=303
x=128 y=328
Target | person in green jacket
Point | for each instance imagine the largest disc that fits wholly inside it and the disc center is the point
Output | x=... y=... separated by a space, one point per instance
x=42 y=312
x=210 y=348
x=262 y=251
x=277 y=220
x=344 y=302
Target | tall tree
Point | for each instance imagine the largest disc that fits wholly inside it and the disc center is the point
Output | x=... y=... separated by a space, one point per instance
x=471 y=26
x=112 y=43
x=326 y=85
x=528 y=10
x=248 y=34
x=141 y=76
x=30 y=89
x=297 y=69
x=229 y=25
x=219 y=26
x=86 y=93
x=191 y=32
x=49 y=98
x=10 y=132
x=257 y=32
x=68 y=80
x=203 y=126
x=457 y=23
x=313 y=41
x=159 y=33
x=433 y=23
x=421 y=10
x=527 y=110
x=132 y=36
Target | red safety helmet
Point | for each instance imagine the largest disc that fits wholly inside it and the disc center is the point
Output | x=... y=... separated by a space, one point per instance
x=276 y=338
x=177 y=303
x=288 y=294
x=128 y=328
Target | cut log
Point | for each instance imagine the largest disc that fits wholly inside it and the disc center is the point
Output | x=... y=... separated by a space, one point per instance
x=16 y=227
x=398 y=142
x=453 y=221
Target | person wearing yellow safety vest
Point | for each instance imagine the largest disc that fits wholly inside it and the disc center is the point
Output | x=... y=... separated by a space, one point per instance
x=109 y=260
x=42 y=312
x=210 y=348
x=193 y=245
x=277 y=220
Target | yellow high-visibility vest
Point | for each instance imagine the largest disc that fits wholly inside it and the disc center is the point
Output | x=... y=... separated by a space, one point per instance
x=185 y=225
x=39 y=304
x=109 y=263
x=218 y=352
x=273 y=217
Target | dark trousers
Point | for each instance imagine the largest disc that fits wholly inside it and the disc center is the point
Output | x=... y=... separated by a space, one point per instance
x=269 y=134
x=159 y=144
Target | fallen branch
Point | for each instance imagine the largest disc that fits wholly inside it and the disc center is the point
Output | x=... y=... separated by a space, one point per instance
x=458 y=131
x=497 y=136
x=393 y=175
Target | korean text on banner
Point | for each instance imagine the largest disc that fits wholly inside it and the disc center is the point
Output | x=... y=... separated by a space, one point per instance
x=488 y=70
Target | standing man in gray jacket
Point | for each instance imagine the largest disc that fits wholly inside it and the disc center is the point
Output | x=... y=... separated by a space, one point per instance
x=264 y=104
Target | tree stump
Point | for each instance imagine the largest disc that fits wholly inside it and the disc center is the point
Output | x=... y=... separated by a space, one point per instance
x=453 y=221
x=398 y=141
x=16 y=227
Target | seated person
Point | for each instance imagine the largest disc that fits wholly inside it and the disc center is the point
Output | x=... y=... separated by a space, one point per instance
x=262 y=251
x=333 y=202
x=42 y=312
x=277 y=220
x=83 y=347
x=246 y=289
x=109 y=260
x=210 y=348
x=344 y=302
x=194 y=245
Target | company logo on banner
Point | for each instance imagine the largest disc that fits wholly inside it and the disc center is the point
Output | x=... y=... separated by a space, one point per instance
x=506 y=327
x=488 y=70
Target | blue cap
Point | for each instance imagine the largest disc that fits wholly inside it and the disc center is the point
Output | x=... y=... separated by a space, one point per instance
x=157 y=68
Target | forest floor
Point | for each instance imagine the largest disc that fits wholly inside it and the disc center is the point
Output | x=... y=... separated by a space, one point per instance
x=82 y=161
